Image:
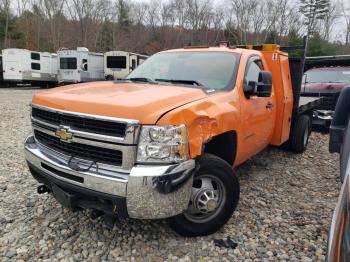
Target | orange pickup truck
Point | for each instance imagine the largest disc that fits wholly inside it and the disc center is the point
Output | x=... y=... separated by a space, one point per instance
x=163 y=142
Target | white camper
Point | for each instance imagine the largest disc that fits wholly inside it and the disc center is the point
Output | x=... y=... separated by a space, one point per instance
x=29 y=67
x=1 y=71
x=79 y=65
x=119 y=64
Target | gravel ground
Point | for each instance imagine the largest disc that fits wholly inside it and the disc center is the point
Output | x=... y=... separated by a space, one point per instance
x=284 y=212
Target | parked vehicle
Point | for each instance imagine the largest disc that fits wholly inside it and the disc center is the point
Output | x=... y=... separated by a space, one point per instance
x=119 y=64
x=163 y=142
x=339 y=233
x=79 y=65
x=22 y=66
x=1 y=72
x=325 y=77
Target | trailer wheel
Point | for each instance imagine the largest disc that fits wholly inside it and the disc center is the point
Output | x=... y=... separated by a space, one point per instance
x=215 y=195
x=300 y=134
x=109 y=78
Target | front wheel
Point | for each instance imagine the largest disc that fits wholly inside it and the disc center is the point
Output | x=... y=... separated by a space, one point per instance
x=214 y=198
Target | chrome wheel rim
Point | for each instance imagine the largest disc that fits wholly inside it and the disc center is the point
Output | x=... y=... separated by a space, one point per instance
x=207 y=199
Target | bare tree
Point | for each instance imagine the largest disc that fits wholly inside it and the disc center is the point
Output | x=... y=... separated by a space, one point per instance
x=330 y=20
x=346 y=15
x=52 y=10
x=6 y=7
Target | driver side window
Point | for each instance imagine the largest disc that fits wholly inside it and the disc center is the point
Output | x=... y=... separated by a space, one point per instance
x=253 y=69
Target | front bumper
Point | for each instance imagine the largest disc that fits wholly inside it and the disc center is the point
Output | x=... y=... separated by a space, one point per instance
x=150 y=192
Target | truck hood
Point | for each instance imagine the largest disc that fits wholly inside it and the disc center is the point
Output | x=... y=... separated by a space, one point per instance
x=143 y=102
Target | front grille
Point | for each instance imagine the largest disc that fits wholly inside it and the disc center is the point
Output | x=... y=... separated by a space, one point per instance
x=102 y=127
x=329 y=100
x=88 y=152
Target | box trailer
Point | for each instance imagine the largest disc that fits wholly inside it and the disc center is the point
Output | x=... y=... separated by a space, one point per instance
x=22 y=66
x=119 y=64
x=79 y=65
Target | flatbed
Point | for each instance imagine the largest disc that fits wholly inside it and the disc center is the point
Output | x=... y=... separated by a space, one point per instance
x=307 y=103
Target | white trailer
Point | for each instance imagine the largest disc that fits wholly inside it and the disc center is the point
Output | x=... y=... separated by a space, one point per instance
x=22 y=66
x=79 y=65
x=119 y=64
x=1 y=71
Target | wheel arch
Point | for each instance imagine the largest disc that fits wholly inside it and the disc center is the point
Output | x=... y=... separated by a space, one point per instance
x=223 y=145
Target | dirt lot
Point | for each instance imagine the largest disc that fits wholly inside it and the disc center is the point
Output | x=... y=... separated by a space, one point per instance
x=284 y=212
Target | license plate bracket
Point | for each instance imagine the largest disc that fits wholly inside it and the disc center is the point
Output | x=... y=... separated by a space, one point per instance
x=64 y=198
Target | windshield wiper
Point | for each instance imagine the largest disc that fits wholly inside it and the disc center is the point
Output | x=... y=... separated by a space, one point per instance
x=180 y=81
x=142 y=80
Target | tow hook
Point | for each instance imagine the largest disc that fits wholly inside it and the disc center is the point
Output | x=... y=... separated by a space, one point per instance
x=43 y=189
x=169 y=183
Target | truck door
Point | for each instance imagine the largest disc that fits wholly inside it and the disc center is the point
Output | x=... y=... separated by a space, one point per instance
x=258 y=113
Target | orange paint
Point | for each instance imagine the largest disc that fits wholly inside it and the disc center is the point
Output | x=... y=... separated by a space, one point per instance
x=205 y=115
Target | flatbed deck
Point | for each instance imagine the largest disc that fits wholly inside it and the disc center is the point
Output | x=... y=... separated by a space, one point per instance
x=307 y=103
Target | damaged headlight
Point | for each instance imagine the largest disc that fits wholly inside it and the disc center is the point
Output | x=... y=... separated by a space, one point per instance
x=162 y=144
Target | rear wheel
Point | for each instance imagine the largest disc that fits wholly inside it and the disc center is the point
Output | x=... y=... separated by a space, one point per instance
x=215 y=195
x=300 y=134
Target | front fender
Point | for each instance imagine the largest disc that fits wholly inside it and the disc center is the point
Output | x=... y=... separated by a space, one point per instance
x=205 y=119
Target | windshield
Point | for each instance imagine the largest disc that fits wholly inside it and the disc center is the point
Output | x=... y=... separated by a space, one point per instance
x=68 y=63
x=214 y=70
x=329 y=75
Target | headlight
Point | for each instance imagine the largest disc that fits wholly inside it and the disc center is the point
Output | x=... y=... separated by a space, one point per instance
x=162 y=144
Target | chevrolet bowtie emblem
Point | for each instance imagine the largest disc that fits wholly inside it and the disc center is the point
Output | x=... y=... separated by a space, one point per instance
x=63 y=134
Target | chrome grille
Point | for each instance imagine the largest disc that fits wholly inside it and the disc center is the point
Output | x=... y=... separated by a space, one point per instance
x=88 y=152
x=90 y=125
x=91 y=138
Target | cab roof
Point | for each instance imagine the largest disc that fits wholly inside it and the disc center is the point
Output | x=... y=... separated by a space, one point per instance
x=232 y=49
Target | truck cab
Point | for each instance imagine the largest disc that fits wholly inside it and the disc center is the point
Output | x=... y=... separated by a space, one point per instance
x=164 y=142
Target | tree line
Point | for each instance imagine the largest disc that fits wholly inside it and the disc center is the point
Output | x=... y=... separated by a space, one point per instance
x=150 y=26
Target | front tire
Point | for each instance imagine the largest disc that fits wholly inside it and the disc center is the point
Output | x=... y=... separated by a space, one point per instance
x=215 y=195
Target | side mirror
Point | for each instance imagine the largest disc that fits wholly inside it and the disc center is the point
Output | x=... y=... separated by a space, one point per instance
x=264 y=86
x=250 y=88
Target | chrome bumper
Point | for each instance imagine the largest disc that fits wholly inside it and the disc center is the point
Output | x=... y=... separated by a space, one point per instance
x=151 y=192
